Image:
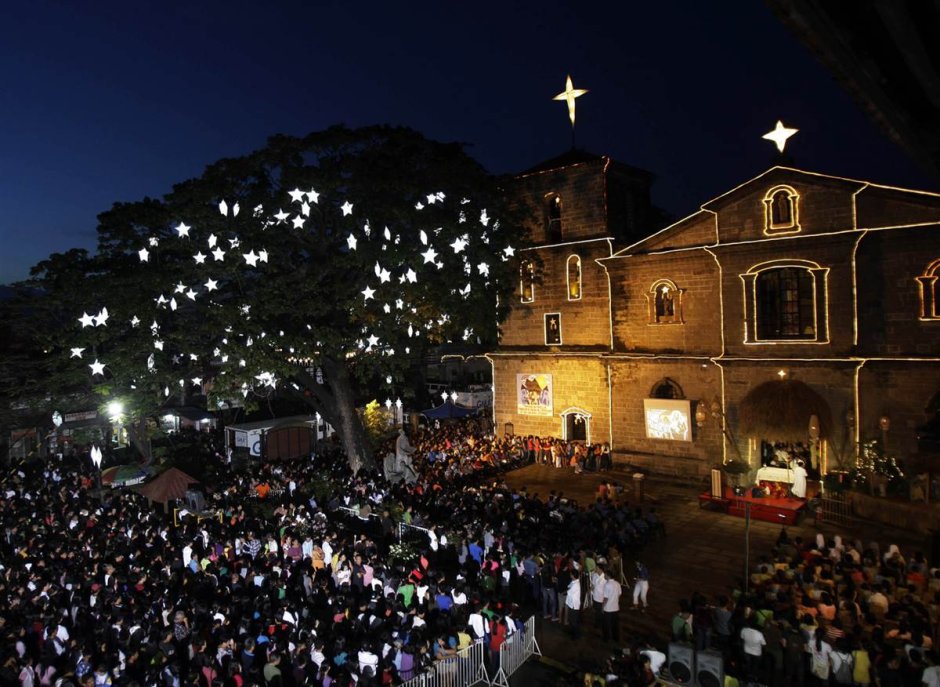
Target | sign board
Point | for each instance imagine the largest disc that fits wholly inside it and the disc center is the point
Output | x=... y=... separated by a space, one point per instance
x=534 y=394
x=667 y=419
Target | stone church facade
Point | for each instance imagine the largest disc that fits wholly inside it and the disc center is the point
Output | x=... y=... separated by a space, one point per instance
x=791 y=275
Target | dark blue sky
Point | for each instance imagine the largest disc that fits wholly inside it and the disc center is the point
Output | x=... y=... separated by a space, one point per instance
x=113 y=101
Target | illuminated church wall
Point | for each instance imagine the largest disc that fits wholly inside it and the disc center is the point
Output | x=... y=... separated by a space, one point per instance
x=839 y=298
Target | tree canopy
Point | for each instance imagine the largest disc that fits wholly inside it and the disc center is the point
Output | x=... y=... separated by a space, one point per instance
x=313 y=267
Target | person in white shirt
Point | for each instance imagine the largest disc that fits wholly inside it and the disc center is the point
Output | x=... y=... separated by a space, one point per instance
x=573 y=602
x=798 y=489
x=611 y=605
x=597 y=595
x=753 y=642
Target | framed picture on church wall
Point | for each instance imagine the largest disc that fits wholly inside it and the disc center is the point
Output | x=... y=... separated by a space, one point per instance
x=553 y=329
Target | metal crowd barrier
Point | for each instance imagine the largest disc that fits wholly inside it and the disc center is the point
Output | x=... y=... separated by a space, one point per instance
x=465 y=669
x=403 y=527
x=516 y=650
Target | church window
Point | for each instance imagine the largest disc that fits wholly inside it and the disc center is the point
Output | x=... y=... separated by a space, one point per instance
x=574 y=278
x=781 y=211
x=665 y=302
x=786 y=300
x=553 y=218
x=527 y=282
x=927 y=290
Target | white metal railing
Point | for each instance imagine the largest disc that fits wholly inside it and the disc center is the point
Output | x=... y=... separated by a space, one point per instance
x=356 y=512
x=465 y=669
x=402 y=527
x=516 y=650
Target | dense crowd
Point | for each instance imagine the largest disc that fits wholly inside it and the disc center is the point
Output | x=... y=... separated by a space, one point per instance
x=823 y=612
x=298 y=578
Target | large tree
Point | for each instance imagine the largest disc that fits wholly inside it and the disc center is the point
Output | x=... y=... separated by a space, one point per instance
x=314 y=267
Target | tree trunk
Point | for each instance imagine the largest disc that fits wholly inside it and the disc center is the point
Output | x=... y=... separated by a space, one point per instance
x=140 y=439
x=350 y=428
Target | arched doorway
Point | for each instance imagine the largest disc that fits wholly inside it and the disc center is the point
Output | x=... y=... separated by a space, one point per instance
x=576 y=425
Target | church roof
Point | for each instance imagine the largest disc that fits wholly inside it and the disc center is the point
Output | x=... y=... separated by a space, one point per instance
x=577 y=156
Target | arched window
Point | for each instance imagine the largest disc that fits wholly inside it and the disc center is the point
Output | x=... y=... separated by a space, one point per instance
x=666 y=388
x=574 y=278
x=527 y=281
x=781 y=211
x=665 y=302
x=927 y=290
x=786 y=301
x=553 y=218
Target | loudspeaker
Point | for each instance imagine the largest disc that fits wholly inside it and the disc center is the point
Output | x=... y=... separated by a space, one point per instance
x=709 y=669
x=680 y=662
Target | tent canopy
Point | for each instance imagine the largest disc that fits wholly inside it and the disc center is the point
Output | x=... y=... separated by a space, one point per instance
x=448 y=410
x=780 y=410
x=168 y=485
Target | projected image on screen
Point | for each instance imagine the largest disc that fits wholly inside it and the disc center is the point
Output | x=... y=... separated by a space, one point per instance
x=667 y=419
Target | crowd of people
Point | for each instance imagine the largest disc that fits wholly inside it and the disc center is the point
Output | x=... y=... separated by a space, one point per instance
x=298 y=578
x=823 y=612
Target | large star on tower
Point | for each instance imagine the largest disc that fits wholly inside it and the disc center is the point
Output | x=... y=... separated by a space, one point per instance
x=779 y=135
x=569 y=95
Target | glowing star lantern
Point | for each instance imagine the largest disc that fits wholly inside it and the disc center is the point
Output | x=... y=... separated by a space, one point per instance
x=213 y=239
x=459 y=244
x=86 y=320
x=96 y=457
x=183 y=230
x=77 y=352
x=351 y=242
x=509 y=251
x=135 y=321
x=424 y=237
x=347 y=208
x=296 y=195
x=97 y=368
x=101 y=319
x=281 y=216
x=144 y=255
x=251 y=258
x=211 y=285
x=298 y=222
x=779 y=135
x=199 y=258
x=429 y=255
x=218 y=254
x=153 y=241
x=368 y=293
x=223 y=207
x=569 y=95
x=313 y=196
x=411 y=276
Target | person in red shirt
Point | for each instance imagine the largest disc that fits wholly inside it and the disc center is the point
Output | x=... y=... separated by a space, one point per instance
x=498 y=632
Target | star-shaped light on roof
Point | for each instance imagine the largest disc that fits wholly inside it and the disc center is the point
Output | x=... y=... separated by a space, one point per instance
x=211 y=285
x=373 y=340
x=199 y=258
x=313 y=196
x=87 y=320
x=351 y=242
x=218 y=254
x=197 y=381
x=296 y=195
x=569 y=95
x=429 y=255
x=779 y=135
x=368 y=292
x=97 y=368
x=459 y=244
x=281 y=216
x=144 y=255
x=77 y=352
x=347 y=208
x=298 y=222
x=183 y=230
x=251 y=258
x=509 y=251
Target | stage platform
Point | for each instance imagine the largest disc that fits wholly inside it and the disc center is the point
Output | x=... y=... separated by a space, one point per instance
x=786 y=511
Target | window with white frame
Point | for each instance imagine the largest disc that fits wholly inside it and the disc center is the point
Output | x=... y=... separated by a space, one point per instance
x=574 y=278
x=786 y=301
x=927 y=290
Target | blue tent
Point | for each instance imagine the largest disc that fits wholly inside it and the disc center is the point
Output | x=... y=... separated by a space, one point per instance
x=448 y=410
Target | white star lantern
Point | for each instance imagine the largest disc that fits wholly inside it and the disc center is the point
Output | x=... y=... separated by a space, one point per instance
x=459 y=244
x=779 y=135
x=429 y=255
x=347 y=208
x=183 y=230
x=77 y=352
x=351 y=242
x=569 y=95
x=313 y=196
x=144 y=255
x=87 y=320
x=211 y=285
x=296 y=195
x=368 y=292
x=218 y=254
x=199 y=258
x=97 y=368
x=251 y=258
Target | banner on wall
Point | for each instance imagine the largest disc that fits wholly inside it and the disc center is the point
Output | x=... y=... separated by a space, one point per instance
x=534 y=394
x=668 y=419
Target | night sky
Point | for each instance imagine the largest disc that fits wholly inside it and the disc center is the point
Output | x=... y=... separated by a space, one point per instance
x=106 y=101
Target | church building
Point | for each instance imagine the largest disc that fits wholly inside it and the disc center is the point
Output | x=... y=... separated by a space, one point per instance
x=795 y=315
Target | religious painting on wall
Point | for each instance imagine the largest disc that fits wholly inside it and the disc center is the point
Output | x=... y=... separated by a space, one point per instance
x=553 y=329
x=534 y=394
x=667 y=419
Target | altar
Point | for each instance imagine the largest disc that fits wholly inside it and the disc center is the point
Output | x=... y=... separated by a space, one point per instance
x=769 y=473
